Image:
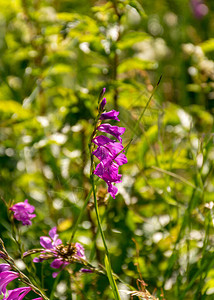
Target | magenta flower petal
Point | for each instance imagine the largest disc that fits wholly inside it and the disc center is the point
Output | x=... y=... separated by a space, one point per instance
x=4 y=267
x=108 y=173
x=57 y=263
x=52 y=232
x=46 y=242
x=101 y=140
x=113 y=130
x=23 y=212
x=54 y=236
x=5 y=278
x=29 y=207
x=37 y=259
x=112 y=190
x=108 y=151
x=19 y=293
x=110 y=115
x=121 y=159
x=55 y=274
x=80 y=250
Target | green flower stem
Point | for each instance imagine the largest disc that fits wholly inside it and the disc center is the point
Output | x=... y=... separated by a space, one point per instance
x=98 y=216
x=107 y=257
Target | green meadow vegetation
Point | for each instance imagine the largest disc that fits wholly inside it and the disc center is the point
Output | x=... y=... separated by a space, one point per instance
x=156 y=61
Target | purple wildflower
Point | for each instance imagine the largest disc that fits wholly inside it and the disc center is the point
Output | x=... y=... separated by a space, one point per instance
x=6 y=276
x=53 y=247
x=23 y=212
x=109 y=152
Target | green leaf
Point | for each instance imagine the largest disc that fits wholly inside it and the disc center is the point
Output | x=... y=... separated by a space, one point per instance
x=136 y=63
x=111 y=279
x=129 y=39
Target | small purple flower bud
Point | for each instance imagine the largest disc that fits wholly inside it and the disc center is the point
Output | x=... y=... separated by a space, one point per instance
x=103 y=103
x=102 y=93
x=86 y=271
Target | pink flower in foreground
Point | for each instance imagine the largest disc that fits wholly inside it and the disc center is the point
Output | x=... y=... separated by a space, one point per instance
x=63 y=255
x=6 y=276
x=18 y=294
x=23 y=212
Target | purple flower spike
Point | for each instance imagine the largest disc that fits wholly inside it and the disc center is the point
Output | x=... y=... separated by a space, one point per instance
x=110 y=115
x=109 y=152
x=113 y=130
x=23 y=212
x=18 y=294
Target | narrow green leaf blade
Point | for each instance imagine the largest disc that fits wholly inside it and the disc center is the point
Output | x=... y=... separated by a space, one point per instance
x=111 y=279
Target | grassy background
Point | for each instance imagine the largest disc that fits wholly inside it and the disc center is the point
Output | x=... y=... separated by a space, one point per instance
x=55 y=57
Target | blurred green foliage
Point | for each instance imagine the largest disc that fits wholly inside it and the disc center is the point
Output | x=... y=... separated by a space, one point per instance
x=55 y=57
